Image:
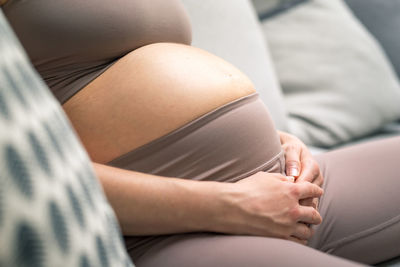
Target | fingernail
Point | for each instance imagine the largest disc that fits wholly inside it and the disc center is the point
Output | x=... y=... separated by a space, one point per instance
x=293 y=172
x=290 y=178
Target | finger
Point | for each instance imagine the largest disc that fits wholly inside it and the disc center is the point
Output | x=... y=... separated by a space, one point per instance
x=310 y=170
x=302 y=231
x=292 y=161
x=307 y=190
x=309 y=215
x=319 y=181
x=315 y=203
x=308 y=202
x=314 y=177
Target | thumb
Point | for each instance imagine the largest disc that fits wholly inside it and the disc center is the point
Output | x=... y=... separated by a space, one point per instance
x=292 y=162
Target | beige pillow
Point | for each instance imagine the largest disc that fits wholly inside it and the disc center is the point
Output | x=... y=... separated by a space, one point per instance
x=338 y=84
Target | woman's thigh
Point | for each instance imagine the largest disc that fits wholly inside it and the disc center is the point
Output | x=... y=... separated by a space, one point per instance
x=360 y=206
x=361 y=220
x=200 y=250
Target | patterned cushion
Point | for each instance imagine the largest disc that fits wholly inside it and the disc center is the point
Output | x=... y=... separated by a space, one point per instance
x=53 y=211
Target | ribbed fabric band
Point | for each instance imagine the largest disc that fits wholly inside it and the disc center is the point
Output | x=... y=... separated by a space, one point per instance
x=226 y=144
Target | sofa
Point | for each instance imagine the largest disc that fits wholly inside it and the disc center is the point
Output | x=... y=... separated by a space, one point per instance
x=45 y=175
x=329 y=100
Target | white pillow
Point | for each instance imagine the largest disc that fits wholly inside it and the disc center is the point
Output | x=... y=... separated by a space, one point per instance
x=337 y=82
x=232 y=32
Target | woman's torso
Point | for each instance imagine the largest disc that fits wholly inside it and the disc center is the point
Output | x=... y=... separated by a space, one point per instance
x=72 y=42
x=137 y=92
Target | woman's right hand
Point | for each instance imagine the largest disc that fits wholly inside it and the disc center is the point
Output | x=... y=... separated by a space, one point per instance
x=267 y=204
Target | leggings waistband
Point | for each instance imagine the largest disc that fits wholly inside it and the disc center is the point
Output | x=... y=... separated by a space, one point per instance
x=226 y=144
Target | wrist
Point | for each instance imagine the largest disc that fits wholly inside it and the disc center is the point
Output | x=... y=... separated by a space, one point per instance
x=224 y=209
x=212 y=207
x=209 y=207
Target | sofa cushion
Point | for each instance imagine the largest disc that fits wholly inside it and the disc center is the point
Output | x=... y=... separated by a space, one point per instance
x=52 y=209
x=266 y=9
x=233 y=33
x=382 y=19
x=337 y=82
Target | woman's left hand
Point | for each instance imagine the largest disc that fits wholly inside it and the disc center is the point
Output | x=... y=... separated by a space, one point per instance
x=300 y=163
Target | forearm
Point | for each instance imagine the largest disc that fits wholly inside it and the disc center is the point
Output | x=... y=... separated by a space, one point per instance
x=262 y=204
x=147 y=204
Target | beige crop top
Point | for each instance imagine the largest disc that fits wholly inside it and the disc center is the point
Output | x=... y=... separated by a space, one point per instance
x=71 y=42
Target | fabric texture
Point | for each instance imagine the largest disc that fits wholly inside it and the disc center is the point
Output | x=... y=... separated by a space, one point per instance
x=52 y=209
x=337 y=82
x=71 y=43
x=361 y=221
x=382 y=19
x=227 y=144
x=263 y=6
x=233 y=33
x=186 y=152
x=266 y=9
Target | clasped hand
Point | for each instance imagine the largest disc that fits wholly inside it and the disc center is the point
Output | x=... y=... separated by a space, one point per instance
x=300 y=164
x=269 y=204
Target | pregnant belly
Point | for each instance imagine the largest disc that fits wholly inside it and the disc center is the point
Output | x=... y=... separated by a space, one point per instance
x=149 y=93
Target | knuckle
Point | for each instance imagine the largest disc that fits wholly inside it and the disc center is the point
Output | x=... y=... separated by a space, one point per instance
x=294 y=214
x=290 y=146
x=320 y=191
x=295 y=190
x=291 y=163
x=316 y=217
x=315 y=190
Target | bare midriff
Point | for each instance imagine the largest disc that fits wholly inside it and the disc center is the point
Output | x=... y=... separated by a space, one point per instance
x=149 y=93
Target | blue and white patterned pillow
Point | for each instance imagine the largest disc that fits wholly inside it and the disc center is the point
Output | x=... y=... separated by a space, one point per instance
x=53 y=211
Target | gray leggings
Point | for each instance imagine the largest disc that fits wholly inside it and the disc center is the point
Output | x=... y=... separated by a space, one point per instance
x=361 y=211
x=360 y=207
